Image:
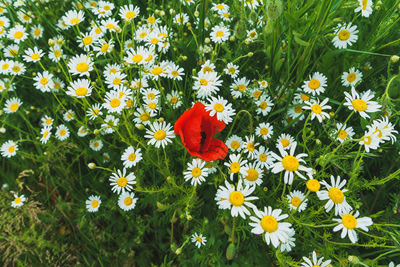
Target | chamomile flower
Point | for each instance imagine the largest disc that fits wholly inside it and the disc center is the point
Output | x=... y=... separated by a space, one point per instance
x=69 y=115
x=268 y=223
x=256 y=93
x=384 y=129
x=129 y=12
x=264 y=157
x=335 y=195
x=365 y=6
x=289 y=244
x=236 y=165
x=9 y=149
x=62 y=132
x=285 y=141
x=219 y=34
x=110 y=122
x=87 y=41
x=343 y=133
x=235 y=143
x=232 y=70
x=361 y=103
x=45 y=133
x=113 y=102
x=318 y=109
x=370 y=140
x=175 y=72
x=127 y=201
x=237 y=199
x=206 y=84
x=12 y=105
x=315 y=261
x=264 y=130
x=46 y=121
x=131 y=157
x=316 y=84
x=181 y=18
x=349 y=222
x=296 y=110
x=220 y=7
x=80 y=88
x=290 y=164
x=345 y=35
x=103 y=47
x=220 y=107
x=239 y=87
x=121 y=182
x=94 y=111
x=142 y=116
x=254 y=174
x=250 y=147
x=174 y=99
x=37 y=31
x=198 y=240
x=196 y=172
x=18 y=201
x=115 y=80
x=96 y=144
x=17 y=34
x=80 y=65
x=17 y=69
x=82 y=131
x=93 y=203
x=160 y=134
x=264 y=105
x=33 y=55
x=110 y=24
x=351 y=77
x=73 y=17
x=297 y=201
x=56 y=54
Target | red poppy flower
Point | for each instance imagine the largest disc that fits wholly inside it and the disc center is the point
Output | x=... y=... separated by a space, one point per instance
x=196 y=128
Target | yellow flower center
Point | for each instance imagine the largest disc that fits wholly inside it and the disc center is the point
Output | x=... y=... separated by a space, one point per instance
x=304 y=97
x=219 y=6
x=130 y=15
x=174 y=100
x=351 y=77
x=296 y=201
x=122 y=181
x=269 y=224
x=344 y=35
x=219 y=107
x=207 y=69
x=236 y=198
x=379 y=133
x=74 y=21
x=144 y=116
x=257 y=94
x=37 y=32
x=143 y=34
x=152 y=105
x=63 y=132
x=82 y=67
x=290 y=163
x=154 y=41
x=298 y=109
x=5 y=66
x=364 y=4
x=314 y=84
x=349 y=221
x=235 y=144
x=11 y=149
x=48 y=121
x=203 y=82
x=317 y=109
x=81 y=91
x=137 y=58
x=115 y=102
x=313 y=185
x=263 y=157
x=16 y=69
x=199 y=239
x=232 y=70
x=252 y=175
x=219 y=33
x=367 y=140
x=196 y=172
x=342 y=134
x=18 y=35
x=242 y=87
x=336 y=195
x=95 y=203
x=235 y=167
x=43 y=81
x=359 y=105
x=87 y=40
x=18 y=200
x=151 y=19
x=45 y=134
x=160 y=135
x=263 y=105
x=264 y=131
x=35 y=56
x=110 y=26
x=14 y=107
x=117 y=81
x=132 y=157
x=285 y=142
x=156 y=71
x=250 y=146
x=128 y=201
x=104 y=48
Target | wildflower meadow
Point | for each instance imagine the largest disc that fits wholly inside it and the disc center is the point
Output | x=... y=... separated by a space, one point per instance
x=200 y=133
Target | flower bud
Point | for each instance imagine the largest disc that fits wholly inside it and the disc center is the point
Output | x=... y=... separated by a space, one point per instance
x=139 y=126
x=232 y=38
x=196 y=13
x=207 y=40
x=178 y=251
x=51 y=42
x=394 y=59
x=162 y=13
x=250 y=54
x=353 y=259
x=2 y=130
x=92 y=165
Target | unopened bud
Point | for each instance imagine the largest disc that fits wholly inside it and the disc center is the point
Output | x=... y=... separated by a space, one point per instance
x=96 y=131
x=51 y=42
x=196 y=13
x=92 y=165
x=394 y=59
x=178 y=251
x=139 y=126
x=207 y=40
x=250 y=54
x=353 y=259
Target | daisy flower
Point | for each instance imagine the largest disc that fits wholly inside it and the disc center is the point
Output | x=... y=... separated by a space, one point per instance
x=219 y=34
x=384 y=129
x=289 y=244
x=315 y=261
x=236 y=165
x=236 y=199
x=33 y=55
x=103 y=47
x=196 y=172
x=160 y=134
x=18 y=68
x=349 y=222
x=250 y=147
x=87 y=41
x=239 y=87
x=80 y=65
x=285 y=141
x=45 y=132
x=69 y=115
x=150 y=94
x=93 y=203
x=73 y=17
x=12 y=105
x=370 y=140
x=121 y=182
x=37 y=31
x=18 y=201
x=109 y=24
x=365 y=6
x=142 y=116
x=316 y=84
x=174 y=99
x=265 y=130
x=127 y=201
x=297 y=201
x=109 y=123
x=198 y=240
x=256 y=92
x=96 y=144
x=345 y=35
x=343 y=133
x=221 y=107
x=296 y=110
x=206 y=84
x=254 y=174
x=94 y=111
x=181 y=18
x=220 y=8
x=268 y=222
x=113 y=102
x=351 y=77
x=115 y=80
x=129 y=12
x=264 y=105
x=82 y=131
x=232 y=70
x=361 y=103
x=290 y=164
x=318 y=109
x=17 y=34
x=62 y=132
x=131 y=157
x=46 y=121
x=80 y=88
x=264 y=157
x=234 y=143
x=335 y=194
